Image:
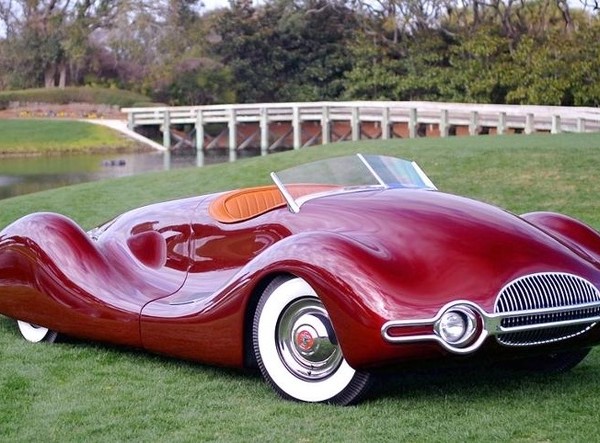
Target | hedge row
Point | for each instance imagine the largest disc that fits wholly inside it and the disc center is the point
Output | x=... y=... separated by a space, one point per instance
x=116 y=97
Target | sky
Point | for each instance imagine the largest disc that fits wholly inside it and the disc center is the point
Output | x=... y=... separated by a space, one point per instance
x=212 y=4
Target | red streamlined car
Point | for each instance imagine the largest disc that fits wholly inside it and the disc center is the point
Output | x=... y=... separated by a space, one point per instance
x=342 y=268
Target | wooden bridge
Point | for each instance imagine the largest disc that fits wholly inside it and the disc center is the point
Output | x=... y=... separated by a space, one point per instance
x=272 y=126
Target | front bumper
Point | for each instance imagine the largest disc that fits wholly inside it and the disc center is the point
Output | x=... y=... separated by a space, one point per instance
x=528 y=327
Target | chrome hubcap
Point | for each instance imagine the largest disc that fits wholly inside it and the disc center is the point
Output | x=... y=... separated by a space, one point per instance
x=306 y=342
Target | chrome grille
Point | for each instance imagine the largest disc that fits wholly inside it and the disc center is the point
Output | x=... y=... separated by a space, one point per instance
x=546 y=291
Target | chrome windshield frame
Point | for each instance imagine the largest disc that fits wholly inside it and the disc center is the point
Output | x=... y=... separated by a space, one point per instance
x=292 y=205
x=377 y=182
x=372 y=171
x=424 y=177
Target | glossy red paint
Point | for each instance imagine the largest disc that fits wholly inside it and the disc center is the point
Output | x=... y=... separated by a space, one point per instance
x=171 y=279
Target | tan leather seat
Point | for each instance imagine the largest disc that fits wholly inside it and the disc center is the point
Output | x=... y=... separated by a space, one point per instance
x=236 y=206
x=244 y=204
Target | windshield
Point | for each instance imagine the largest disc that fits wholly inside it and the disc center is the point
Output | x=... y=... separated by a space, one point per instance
x=347 y=174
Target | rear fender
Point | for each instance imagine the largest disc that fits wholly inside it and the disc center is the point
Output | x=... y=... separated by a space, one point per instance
x=53 y=275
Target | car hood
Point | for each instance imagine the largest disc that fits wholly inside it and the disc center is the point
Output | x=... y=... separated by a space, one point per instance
x=428 y=246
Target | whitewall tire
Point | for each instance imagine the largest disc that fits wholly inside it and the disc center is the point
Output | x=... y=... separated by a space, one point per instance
x=297 y=350
x=36 y=334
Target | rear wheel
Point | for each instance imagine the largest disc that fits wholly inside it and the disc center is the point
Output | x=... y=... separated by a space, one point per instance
x=36 y=334
x=297 y=350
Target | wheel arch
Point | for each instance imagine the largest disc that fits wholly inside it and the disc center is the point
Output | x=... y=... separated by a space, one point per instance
x=349 y=279
x=251 y=305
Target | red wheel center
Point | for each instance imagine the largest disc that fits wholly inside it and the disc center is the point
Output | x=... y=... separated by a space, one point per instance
x=305 y=340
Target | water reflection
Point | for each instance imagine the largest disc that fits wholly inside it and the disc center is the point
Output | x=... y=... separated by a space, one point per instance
x=24 y=175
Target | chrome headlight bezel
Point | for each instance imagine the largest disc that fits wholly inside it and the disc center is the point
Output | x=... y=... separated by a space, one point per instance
x=457 y=326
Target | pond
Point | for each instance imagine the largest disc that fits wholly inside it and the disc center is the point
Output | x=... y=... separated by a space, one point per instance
x=24 y=175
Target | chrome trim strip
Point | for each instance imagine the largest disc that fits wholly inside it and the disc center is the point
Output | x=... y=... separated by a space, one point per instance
x=491 y=323
x=496 y=319
x=423 y=176
x=288 y=197
x=371 y=170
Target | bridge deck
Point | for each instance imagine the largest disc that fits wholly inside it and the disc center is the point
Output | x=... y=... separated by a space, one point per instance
x=272 y=125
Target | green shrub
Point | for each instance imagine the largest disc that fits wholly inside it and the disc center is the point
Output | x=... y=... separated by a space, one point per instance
x=116 y=97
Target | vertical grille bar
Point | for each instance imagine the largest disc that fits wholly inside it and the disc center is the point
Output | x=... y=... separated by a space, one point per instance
x=541 y=291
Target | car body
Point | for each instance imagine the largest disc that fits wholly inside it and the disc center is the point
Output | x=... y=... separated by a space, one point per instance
x=343 y=268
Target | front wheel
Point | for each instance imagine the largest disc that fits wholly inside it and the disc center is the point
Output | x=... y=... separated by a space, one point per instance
x=297 y=350
x=36 y=334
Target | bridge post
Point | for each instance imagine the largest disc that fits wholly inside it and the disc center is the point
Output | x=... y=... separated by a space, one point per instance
x=199 y=138
x=412 y=123
x=167 y=129
x=297 y=127
x=131 y=121
x=167 y=160
x=199 y=131
x=501 y=129
x=232 y=125
x=355 y=123
x=556 y=129
x=325 y=126
x=385 y=123
x=264 y=131
x=529 y=125
x=444 y=129
x=473 y=123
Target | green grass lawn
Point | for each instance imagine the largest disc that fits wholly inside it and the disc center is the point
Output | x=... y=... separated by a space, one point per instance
x=27 y=136
x=89 y=392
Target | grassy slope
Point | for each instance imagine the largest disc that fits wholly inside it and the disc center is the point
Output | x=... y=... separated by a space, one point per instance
x=47 y=136
x=542 y=172
x=77 y=392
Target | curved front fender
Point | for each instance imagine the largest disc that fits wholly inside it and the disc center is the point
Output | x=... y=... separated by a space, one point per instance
x=359 y=284
x=570 y=231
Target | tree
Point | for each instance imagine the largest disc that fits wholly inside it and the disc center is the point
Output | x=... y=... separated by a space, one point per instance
x=287 y=50
x=50 y=36
x=479 y=63
x=375 y=74
x=557 y=70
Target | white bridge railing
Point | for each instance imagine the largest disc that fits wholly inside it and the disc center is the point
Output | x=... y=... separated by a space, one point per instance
x=443 y=119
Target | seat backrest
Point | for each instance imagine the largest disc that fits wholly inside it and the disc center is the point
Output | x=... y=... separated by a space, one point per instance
x=244 y=204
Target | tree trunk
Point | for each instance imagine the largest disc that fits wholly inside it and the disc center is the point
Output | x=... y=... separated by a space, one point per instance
x=49 y=74
x=563 y=5
x=62 y=80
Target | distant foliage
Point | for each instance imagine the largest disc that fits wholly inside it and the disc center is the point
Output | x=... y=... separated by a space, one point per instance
x=285 y=50
x=115 y=97
x=177 y=52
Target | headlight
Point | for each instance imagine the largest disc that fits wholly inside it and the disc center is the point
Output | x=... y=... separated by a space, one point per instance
x=452 y=326
x=457 y=326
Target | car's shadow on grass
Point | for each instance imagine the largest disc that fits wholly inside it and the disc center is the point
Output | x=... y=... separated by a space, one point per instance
x=480 y=380
x=462 y=382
